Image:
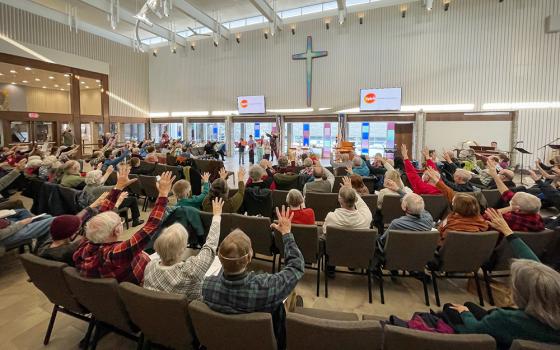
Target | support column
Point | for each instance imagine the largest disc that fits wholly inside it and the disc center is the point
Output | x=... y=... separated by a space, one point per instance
x=75 y=111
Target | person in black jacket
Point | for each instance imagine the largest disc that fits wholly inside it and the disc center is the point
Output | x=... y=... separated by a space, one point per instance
x=258 y=197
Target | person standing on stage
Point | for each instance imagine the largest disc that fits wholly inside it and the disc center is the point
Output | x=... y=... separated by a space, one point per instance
x=273 y=145
x=252 y=145
x=241 y=146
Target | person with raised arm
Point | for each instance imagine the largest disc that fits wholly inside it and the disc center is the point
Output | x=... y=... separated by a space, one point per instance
x=424 y=185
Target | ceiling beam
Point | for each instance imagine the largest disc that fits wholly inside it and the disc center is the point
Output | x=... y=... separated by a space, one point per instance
x=202 y=18
x=341 y=10
x=128 y=17
x=268 y=12
x=46 y=12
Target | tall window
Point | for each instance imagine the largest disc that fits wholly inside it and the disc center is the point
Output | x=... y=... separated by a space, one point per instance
x=381 y=137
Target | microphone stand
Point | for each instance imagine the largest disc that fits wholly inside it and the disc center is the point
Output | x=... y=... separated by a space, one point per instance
x=545 y=146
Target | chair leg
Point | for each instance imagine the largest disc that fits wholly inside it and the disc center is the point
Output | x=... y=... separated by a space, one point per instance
x=488 y=287
x=318 y=274
x=141 y=342
x=325 y=261
x=436 y=292
x=51 y=325
x=368 y=271
x=478 y=289
x=84 y=344
x=96 y=334
x=425 y=284
x=381 y=289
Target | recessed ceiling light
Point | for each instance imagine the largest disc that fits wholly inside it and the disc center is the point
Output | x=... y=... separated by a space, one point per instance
x=61 y=89
x=98 y=81
x=13 y=71
x=37 y=79
x=13 y=83
x=68 y=84
x=82 y=82
x=55 y=85
x=1 y=74
x=87 y=87
x=51 y=77
x=27 y=68
x=67 y=75
x=24 y=81
x=44 y=87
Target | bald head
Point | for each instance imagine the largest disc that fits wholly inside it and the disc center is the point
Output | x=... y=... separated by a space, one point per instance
x=235 y=252
x=318 y=172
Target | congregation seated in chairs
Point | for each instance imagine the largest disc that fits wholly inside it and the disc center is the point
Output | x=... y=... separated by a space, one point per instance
x=439 y=228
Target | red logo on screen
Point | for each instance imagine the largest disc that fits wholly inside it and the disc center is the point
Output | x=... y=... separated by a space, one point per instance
x=370 y=98
x=244 y=103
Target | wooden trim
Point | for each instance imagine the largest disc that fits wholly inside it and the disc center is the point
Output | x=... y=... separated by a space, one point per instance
x=206 y=120
x=121 y=119
x=310 y=118
x=253 y=119
x=91 y=119
x=166 y=120
x=460 y=116
x=29 y=62
x=24 y=116
x=382 y=118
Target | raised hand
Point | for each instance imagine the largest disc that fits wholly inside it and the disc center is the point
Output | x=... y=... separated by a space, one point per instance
x=241 y=174
x=426 y=153
x=223 y=173
x=217 y=205
x=433 y=174
x=206 y=177
x=349 y=170
x=164 y=184
x=99 y=200
x=346 y=182
x=109 y=169
x=21 y=164
x=284 y=225
x=534 y=176
x=121 y=198
x=497 y=221
x=491 y=166
x=404 y=151
x=122 y=177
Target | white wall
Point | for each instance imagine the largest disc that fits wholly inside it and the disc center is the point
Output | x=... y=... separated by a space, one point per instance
x=479 y=51
x=127 y=69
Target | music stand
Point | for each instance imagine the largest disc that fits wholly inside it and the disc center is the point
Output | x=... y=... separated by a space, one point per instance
x=523 y=152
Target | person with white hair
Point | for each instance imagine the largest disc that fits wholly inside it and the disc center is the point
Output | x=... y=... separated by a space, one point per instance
x=102 y=255
x=169 y=272
x=302 y=215
x=72 y=177
x=48 y=162
x=308 y=167
x=359 y=167
x=535 y=290
x=522 y=214
x=323 y=181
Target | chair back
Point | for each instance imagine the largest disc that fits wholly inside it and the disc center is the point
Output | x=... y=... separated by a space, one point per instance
x=311 y=333
x=286 y=182
x=147 y=168
x=340 y=171
x=149 y=185
x=409 y=250
x=112 y=179
x=391 y=209
x=146 y=309
x=278 y=199
x=101 y=297
x=369 y=181
x=307 y=240
x=225 y=223
x=47 y=276
x=347 y=247
x=492 y=198
x=171 y=159
x=436 y=205
x=466 y=251
x=159 y=169
x=519 y=344
x=136 y=187
x=258 y=230
x=337 y=183
x=398 y=338
x=322 y=203
x=236 y=332
x=371 y=201
x=502 y=255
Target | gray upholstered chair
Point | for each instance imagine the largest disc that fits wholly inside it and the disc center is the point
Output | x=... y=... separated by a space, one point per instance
x=399 y=338
x=47 y=276
x=500 y=262
x=328 y=331
x=408 y=251
x=492 y=197
x=150 y=189
x=461 y=256
x=322 y=203
x=278 y=200
x=236 y=332
x=353 y=248
x=337 y=182
x=436 y=205
x=327 y=314
x=225 y=223
x=519 y=344
x=101 y=297
x=147 y=308
x=391 y=209
x=371 y=201
x=259 y=231
x=307 y=240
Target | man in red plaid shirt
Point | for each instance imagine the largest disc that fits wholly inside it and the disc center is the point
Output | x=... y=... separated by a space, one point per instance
x=523 y=211
x=102 y=254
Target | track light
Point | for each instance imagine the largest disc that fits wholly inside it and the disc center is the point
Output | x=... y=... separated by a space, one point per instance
x=174 y=50
x=429 y=4
x=215 y=43
x=293 y=30
x=403 y=11
x=328 y=24
x=238 y=38
x=446 y=5
x=266 y=34
x=154 y=53
x=192 y=46
x=361 y=17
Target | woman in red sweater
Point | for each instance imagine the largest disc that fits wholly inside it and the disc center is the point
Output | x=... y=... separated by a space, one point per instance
x=302 y=215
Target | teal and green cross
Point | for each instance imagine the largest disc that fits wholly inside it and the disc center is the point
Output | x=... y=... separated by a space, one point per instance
x=308 y=56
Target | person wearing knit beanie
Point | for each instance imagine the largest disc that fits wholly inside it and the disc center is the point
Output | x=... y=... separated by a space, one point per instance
x=61 y=247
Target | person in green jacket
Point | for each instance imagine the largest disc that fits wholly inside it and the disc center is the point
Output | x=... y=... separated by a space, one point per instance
x=182 y=190
x=535 y=290
x=72 y=177
x=220 y=189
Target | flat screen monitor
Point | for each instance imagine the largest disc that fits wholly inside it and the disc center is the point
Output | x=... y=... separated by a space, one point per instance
x=251 y=105
x=380 y=99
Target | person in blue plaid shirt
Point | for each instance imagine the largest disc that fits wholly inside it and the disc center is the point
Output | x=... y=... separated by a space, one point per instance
x=235 y=290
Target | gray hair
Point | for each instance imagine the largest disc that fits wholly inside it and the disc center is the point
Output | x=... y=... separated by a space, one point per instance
x=357 y=161
x=347 y=197
x=48 y=161
x=283 y=161
x=308 y=162
x=526 y=202
x=294 y=198
x=464 y=174
x=256 y=173
x=100 y=227
x=413 y=204
x=93 y=177
x=171 y=244
x=536 y=290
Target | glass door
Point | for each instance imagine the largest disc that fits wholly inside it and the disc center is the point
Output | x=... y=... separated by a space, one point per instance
x=315 y=137
x=202 y=132
x=373 y=137
x=174 y=130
